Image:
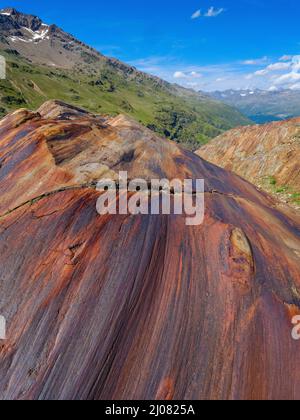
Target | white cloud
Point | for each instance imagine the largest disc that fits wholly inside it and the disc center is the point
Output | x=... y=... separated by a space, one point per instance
x=250 y=62
x=256 y=61
x=179 y=75
x=192 y=85
x=286 y=58
x=195 y=75
x=278 y=66
x=296 y=63
x=275 y=67
x=196 y=15
x=274 y=74
x=283 y=73
x=187 y=75
x=285 y=79
x=296 y=86
x=212 y=12
x=261 y=72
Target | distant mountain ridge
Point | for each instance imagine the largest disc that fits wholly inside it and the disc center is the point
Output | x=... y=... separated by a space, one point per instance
x=262 y=106
x=44 y=62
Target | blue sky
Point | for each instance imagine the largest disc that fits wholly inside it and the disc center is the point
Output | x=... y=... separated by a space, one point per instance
x=206 y=44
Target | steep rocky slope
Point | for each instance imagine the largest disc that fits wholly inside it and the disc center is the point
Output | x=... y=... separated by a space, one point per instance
x=44 y=62
x=41 y=43
x=267 y=155
x=102 y=307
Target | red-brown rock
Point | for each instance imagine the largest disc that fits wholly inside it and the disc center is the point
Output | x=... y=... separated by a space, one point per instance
x=266 y=155
x=138 y=307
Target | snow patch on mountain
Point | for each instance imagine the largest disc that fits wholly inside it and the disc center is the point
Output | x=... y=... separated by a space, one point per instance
x=38 y=35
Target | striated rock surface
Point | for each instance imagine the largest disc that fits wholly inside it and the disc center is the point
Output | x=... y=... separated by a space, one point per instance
x=138 y=307
x=266 y=155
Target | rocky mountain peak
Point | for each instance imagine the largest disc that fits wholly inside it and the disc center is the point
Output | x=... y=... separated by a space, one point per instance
x=9 y=11
x=22 y=20
x=41 y=43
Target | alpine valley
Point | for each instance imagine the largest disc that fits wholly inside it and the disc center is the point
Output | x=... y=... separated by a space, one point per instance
x=263 y=106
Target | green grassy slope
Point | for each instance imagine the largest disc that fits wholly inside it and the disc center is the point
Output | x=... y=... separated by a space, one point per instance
x=183 y=116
